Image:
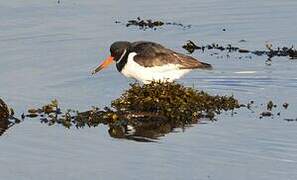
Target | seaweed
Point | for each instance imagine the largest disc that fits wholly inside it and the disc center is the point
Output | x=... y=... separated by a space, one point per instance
x=190 y=46
x=5 y=111
x=173 y=101
x=7 y=118
x=271 y=110
x=286 y=105
x=145 y=24
x=143 y=112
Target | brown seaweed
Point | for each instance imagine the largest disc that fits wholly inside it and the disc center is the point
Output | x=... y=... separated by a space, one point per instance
x=190 y=46
x=7 y=118
x=144 y=112
x=144 y=24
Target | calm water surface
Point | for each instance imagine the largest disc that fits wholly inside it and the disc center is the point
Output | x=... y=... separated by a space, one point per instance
x=48 y=49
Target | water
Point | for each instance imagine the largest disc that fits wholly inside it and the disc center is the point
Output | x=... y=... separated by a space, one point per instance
x=48 y=49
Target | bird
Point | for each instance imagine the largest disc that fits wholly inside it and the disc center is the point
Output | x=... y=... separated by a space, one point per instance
x=149 y=61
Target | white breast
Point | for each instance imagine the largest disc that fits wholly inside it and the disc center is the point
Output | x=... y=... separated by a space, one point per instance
x=168 y=72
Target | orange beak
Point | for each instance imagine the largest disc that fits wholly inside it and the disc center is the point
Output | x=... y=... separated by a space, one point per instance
x=105 y=64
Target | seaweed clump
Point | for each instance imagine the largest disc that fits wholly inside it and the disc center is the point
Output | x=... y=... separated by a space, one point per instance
x=7 y=119
x=145 y=24
x=175 y=102
x=144 y=111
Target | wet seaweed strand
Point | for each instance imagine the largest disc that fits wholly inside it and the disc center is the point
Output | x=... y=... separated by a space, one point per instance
x=190 y=46
x=144 y=24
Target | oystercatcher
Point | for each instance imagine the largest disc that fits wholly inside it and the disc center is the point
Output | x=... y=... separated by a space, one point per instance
x=149 y=61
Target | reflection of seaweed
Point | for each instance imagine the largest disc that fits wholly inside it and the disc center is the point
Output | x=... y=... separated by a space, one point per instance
x=6 y=117
x=190 y=46
x=144 y=112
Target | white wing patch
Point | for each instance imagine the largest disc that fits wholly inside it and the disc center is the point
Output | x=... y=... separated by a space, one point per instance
x=167 y=72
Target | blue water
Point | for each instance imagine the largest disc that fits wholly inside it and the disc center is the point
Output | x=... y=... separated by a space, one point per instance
x=48 y=50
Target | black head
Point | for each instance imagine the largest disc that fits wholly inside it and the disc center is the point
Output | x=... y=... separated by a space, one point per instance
x=118 y=48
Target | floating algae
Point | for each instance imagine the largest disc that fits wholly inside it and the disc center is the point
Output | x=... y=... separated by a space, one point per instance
x=190 y=46
x=53 y=107
x=144 y=24
x=286 y=105
x=145 y=112
x=270 y=110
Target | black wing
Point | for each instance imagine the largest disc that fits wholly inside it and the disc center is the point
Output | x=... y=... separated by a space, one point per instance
x=151 y=54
